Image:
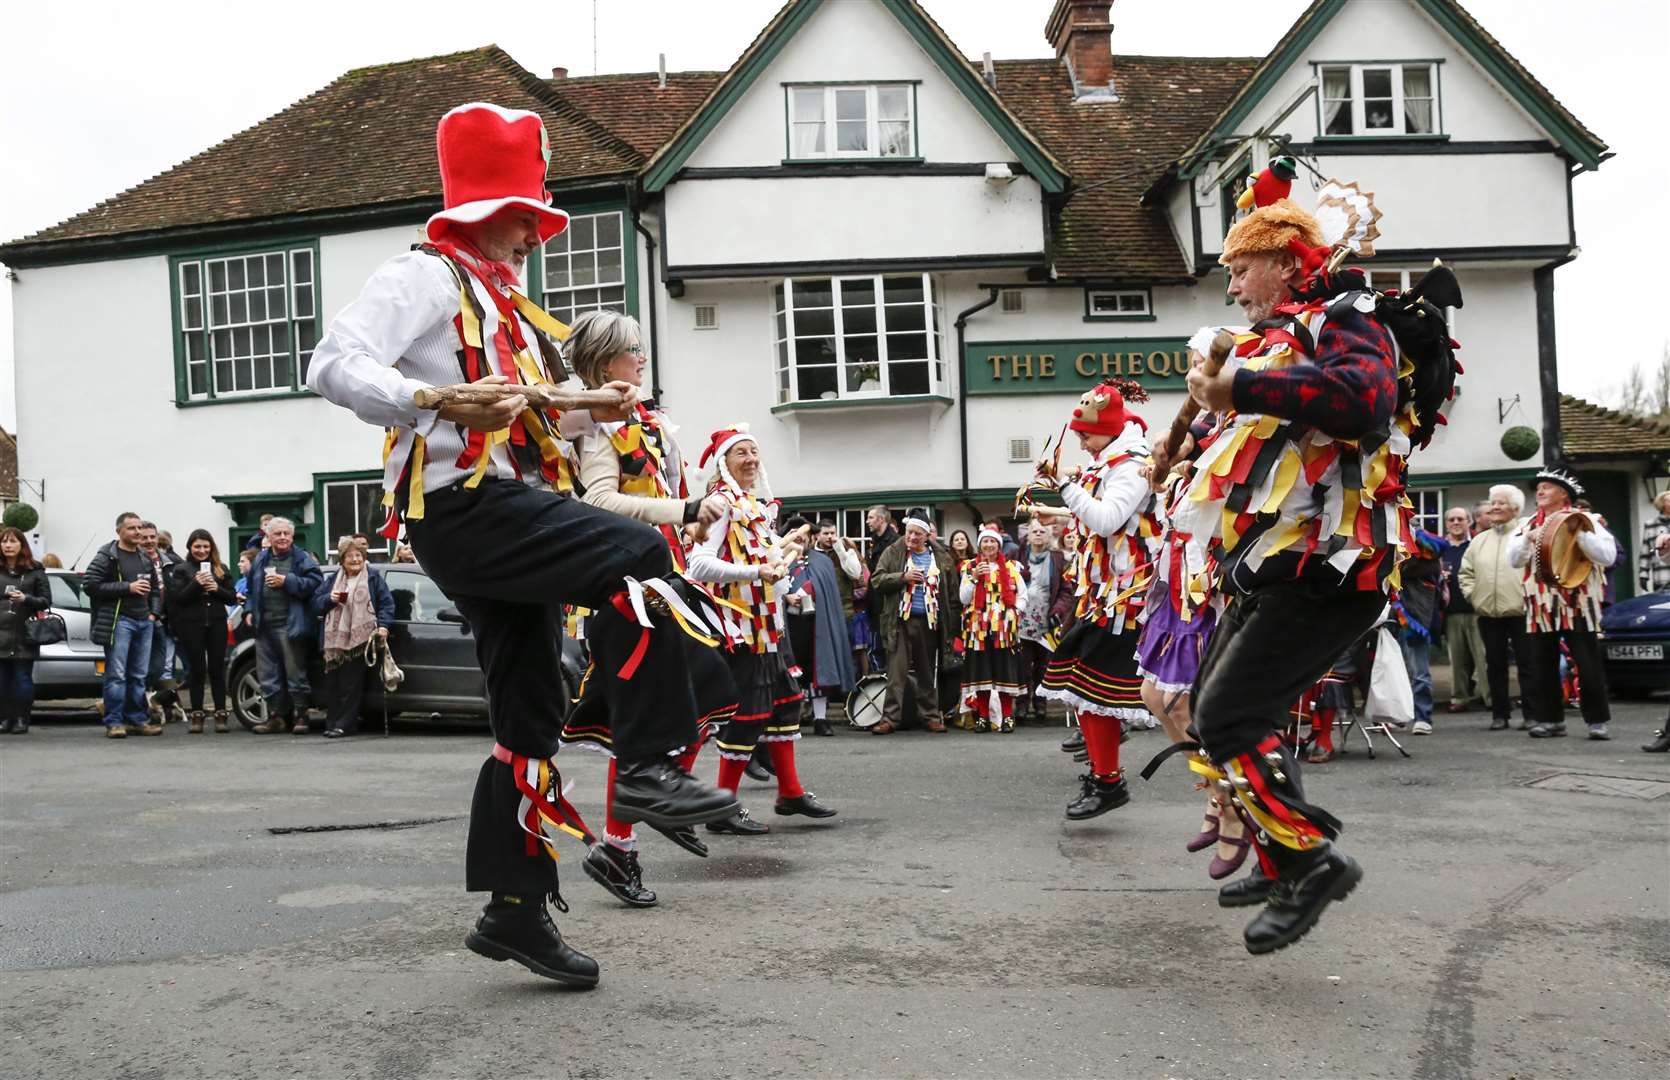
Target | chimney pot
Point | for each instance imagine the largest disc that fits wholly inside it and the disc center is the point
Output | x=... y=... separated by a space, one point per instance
x=663 y=65
x=559 y=73
x=991 y=72
x=1082 y=35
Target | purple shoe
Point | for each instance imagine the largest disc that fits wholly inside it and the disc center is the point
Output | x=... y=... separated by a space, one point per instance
x=1205 y=838
x=1222 y=867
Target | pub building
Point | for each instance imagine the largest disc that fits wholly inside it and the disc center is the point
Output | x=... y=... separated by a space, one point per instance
x=899 y=263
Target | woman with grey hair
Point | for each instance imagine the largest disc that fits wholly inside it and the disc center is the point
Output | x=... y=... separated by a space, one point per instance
x=1495 y=588
x=635 y=468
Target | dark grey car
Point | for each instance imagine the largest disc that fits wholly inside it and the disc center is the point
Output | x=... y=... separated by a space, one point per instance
x=432 y=644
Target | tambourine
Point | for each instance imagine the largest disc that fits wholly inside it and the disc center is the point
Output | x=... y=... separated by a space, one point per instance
x=1558 y=559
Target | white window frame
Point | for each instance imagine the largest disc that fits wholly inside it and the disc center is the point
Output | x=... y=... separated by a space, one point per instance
x=1119 y=296
x=334 y=530
x=872 y=121
x=1359 y=128
x=563 y=252
x=788 y=362
x=210 y=331
x=1430 y=520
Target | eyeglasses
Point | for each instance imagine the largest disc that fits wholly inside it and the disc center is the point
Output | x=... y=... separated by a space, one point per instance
x=635 y=350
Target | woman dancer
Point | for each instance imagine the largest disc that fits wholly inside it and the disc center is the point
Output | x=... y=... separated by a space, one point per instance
x=635 y=468
x=743 y=555
x=992 y=592
x=1094 y=669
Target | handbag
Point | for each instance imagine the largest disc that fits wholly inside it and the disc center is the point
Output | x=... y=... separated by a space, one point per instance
x=388 y=671
x=46 y=628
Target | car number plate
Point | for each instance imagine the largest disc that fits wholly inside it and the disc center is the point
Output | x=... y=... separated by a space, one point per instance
x=1635 y=652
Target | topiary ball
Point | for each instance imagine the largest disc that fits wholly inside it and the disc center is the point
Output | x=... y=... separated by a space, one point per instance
x=21 y=516
x=1520 y=442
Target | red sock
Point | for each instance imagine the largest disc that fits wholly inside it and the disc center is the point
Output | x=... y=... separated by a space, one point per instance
x=730 y=773
x=1101 y=738
x=687 y=760
x=976 y=704
x=1322 y=727
x=782 y=760
x=618 y=830
x=1007 y=703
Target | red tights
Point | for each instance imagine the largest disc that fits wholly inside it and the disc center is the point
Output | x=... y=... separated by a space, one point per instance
x=1101 y=738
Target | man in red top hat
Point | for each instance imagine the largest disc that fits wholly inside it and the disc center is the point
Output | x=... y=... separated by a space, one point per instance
x=482 y=490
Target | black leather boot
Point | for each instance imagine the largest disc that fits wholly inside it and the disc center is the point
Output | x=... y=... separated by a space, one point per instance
x=1245 y=892
x=660 y=794
x=1308 y=883
x=519 y=928
x=805 y=804
x=1659 y=745
x=619 y=873
x=1073 y=743
x=686 y=838
x=1098 y=797
x=739 y=824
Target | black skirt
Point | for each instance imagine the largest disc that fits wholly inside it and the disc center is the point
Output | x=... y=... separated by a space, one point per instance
x=991 y=668
x=767 y=704
x=1095 y=671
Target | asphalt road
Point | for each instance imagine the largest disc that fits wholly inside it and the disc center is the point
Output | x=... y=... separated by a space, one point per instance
x=157 y=919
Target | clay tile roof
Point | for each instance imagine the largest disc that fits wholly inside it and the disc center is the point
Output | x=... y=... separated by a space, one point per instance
x=1116 y=149
x=635 y=107
x=368 y=138
x=1588 y=430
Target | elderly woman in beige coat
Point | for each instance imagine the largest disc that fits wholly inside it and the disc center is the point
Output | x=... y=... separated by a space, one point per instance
x=1495 y=588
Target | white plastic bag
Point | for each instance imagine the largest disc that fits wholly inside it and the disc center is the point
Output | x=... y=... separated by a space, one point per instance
x=1390 y=696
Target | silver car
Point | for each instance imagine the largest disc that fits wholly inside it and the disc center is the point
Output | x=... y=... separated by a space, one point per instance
x=74 y=667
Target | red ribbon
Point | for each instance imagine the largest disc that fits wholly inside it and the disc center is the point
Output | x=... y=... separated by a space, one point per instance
x=624 y=606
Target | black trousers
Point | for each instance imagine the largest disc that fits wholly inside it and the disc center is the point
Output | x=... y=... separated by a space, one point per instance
x=1499 y=633
x=1591 y=669
x=204 y=648
x=509 y=556
x=345 y=691
x=1271 y=646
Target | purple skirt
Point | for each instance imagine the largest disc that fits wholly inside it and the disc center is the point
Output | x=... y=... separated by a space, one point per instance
x=1169 y=651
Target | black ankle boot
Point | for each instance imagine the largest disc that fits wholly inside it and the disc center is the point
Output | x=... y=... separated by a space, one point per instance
x=660 y=794
x=686 y=838
x=519 y=928
x=619 y=873
x=1073 y=743
x=1309 y=882
x=1659 y=745
x=1098 y=797
x=739 y=824
x=1245 y=892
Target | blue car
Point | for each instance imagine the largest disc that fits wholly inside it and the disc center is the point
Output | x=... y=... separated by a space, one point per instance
x=1636 y=641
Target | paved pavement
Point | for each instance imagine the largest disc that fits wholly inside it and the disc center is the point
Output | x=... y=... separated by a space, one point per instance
x=164 y=911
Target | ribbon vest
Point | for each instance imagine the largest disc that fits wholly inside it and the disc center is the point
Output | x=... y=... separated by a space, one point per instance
x=992 y=619
x=1549 y=608
x=751 y=615
x=641 y=444
x=1274 y=498
x=1113 y=572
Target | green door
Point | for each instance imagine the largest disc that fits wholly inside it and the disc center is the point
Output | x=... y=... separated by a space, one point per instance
x=1609 y=493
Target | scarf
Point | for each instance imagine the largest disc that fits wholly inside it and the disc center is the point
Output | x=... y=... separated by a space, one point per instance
x=349 y=626
x=930 y=591
x=748 y=542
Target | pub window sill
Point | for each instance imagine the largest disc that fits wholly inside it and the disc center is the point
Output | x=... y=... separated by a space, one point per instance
x=238 y=399
x=851 y=404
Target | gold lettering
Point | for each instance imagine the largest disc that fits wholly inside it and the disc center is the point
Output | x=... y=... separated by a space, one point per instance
x=1046 y=366
x=997 y=367
x=1019 y=365
x=1111 y=362
x=1164 y=367
x=1180 y=363
x=1085 y=364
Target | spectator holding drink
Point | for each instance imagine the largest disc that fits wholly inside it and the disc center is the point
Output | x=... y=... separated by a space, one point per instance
x=281 y=583
x=358 y=608
x=23 y=593
x=121 y=583
x=199 y=590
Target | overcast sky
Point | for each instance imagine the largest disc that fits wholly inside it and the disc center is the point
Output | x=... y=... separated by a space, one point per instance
x=98 y=96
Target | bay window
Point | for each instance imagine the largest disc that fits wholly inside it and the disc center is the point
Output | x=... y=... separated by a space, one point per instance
x=856 y=337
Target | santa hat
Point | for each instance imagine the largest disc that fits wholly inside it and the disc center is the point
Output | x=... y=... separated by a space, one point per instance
x=986 y=531
x=719 y=444
x=1102 y=410
x=1564 y=479
x=493 y=158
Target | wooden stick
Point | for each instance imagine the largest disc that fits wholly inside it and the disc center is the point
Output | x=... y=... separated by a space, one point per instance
x=1166 y=453
x=539 y=397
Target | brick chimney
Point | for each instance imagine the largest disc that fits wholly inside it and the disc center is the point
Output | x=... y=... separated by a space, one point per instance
x=1083 y=37
x=559 y=73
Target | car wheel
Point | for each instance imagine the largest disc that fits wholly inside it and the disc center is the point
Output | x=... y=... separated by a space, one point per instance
x=247 y=703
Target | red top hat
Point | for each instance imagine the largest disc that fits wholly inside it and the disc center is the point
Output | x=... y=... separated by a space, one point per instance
x=493 y=158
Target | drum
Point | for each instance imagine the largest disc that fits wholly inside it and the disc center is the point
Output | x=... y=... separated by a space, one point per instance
x=1559 y=559
x=865 y=703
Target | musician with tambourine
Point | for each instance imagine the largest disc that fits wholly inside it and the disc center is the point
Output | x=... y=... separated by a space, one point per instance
x=444 y=351
x=1565 y=552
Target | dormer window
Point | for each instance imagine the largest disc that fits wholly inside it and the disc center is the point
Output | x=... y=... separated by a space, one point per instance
x=852 y=121
x=1379 y=99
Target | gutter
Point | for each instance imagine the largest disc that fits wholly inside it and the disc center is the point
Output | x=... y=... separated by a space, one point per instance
x=962 y=390
x=654 y=340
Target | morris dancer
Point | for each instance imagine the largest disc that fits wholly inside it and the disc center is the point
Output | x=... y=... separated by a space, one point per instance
x=1552 y=613
x=742 y=554
x=1299 y=492
x=635 y=468
x=474 y=484
x=1094 y=669
x=992 y=591
x=1177 y=621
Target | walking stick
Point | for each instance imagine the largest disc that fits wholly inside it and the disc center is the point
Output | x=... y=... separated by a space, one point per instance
x=541 y=396
x=1165 y=454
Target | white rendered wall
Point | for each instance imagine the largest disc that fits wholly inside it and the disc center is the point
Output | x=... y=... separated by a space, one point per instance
x=122 y=444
